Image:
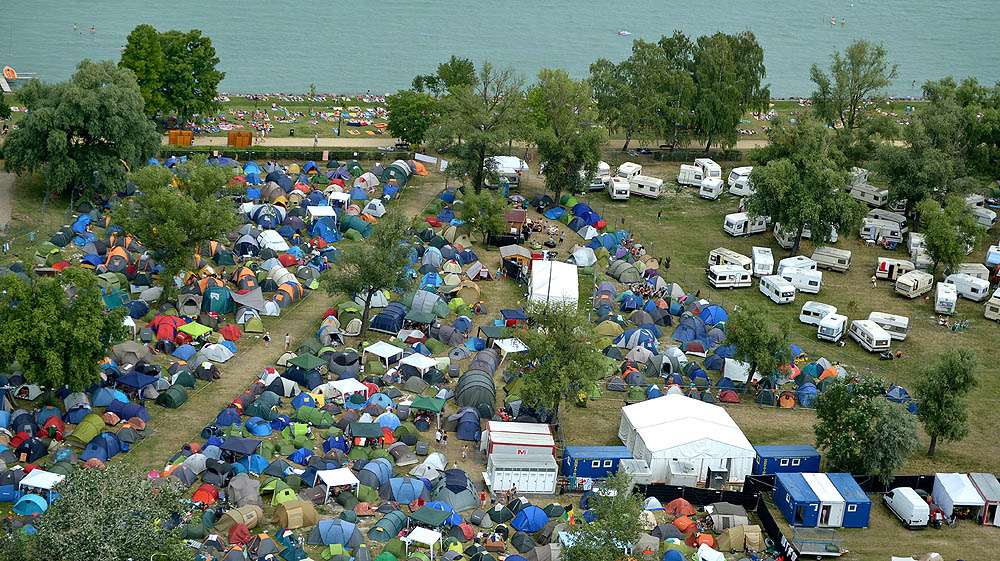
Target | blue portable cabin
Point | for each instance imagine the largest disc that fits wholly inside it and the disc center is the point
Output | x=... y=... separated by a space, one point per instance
x=594 y=462
x=859 y=506
x=796 y=500
x=801 y=458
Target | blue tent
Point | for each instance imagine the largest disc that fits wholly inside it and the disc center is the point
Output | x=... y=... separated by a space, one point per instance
x=699 y=373
x=335 y=532
x=447 y=197
x=446 y=215
x=74 y=415
x=475 y=344
x=251 y=167
x=376 y=471
x=807 y=394
x=898 y=394
x=359 y=194
x=403 y=489
x=714 y=362
x=30 y=504
x=102 y=447
x=591 y=218
x=254 y=463
x=302 y=400
x=390 y=319
x=389 y=421
x=335 y=443
x=287 y=232
x=468 y=427
x=581 y=208
x=725 y=384
x=653 y=391
x=81 y=223
x=673 y=555
x=136 y=380
x=93 y=260
x=725 y=351
x=137 y=308
x=632 y=338
x=390 y=190
x=431 y=279
x=227 y=417
x=310 y=166
x=555 y=213
x=301 y=456
x=454 y=519
x=714 y=314
x=325 y=228
x=382 y=400
x=630 y=303
x=463 y=324
x=184 y=352
x=467 y=257
x=128 y=410
x=530 y=519
x=258 y=427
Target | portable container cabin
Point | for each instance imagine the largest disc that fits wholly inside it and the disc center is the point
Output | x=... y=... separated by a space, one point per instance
x=890 y=268
x=989 y=490
x=530 y=474
x=723 y=256
x=879 y=231
x=777 y=289
x=812 y=312
x=628 y=170
x=739 y=181
x=831 y=504
x=592 y=462
x=711 y=188
x=946 y=298
x=518 y=439
x=650 y=187
x=691 y=176
x=619 y=188
x=914 y=284
x=740 y=224
x=859 y=506
x=870 y=335
x=992 y=306
x=832 y=328
x=729 y=276
x=796 y=500
x=833 y=259
x=984 y=216
x=762 y=261
x=969 y=287
x=804 y=280
x=797 y=262
x=785 y=458
x=708 y=167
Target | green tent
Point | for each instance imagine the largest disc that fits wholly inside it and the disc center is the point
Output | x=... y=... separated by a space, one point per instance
x=430 y=516
x=309 y=347
x=174 y=397
x=91 y=426
x=430 y=404
x=115 y=299
x=284 y=447
x=108 y=282
x=333 y=549
x=262 y=410
x=388 y=527
x=218 y=299
x=405 y=428
x=386 y=556
x=307 y=362
x=436 y=347
x=184 y=378
x=347 y=500
x=358 y=453
x=366 y=494
x=396 y=547
x=367 y=430
x=315 y=417
x=635 y=394
x=353 y=235
x=194 y=329
x=253 y=325
x=47 y=254
x=354 y=168
x=568 y=200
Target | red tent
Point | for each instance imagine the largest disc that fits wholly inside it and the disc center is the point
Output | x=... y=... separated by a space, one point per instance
x=206 y=494
x=239 y=534
x=434 y=222
x=288 y=260
x=729 y=396
x=231 y=333
x=679 y=507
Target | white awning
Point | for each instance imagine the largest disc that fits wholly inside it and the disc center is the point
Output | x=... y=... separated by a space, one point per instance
x=420 y=362
x=336 y=478
x=347 y=386
x=318 y=211
x=423 y=536
x=41 y=479
x=510 y=345
x=383 y=350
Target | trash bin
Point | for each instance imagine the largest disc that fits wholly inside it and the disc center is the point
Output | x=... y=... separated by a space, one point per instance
x=291 y=132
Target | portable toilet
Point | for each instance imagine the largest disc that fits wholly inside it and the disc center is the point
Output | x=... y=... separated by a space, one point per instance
x=785 y=458
x=595 y=462
x=831 y=504
x=859 y=506
x=796 y=500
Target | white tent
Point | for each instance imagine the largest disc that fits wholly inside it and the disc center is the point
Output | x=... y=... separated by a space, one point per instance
x=320 y=211
x=40 y=479
x=383 y=350
x=273 y=240
x=336 y=478
x=420 y=362
x=379 y=299
x=346 y=387
x=584 y=257
x=422 y=536
x=217 y=352
x=366 y=180
x=955 y=490
x=375 y=207
x=676 y=427
x=555 y=282
x=706 y=553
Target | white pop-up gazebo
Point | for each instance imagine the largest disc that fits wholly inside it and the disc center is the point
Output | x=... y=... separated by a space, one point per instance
x=331 y=478
x=420 y=362
x=41 y=479
x=423 y=536
x=383 y=350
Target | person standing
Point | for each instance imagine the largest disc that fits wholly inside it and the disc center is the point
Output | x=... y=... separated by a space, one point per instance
x=288 y=341
x=444 y=440
x=659 y=215
x=315 y=141
x=482 y=498
x=267 y=338
x=465 y=454
x=437 y=436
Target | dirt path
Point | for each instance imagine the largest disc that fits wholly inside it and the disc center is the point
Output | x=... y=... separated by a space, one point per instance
x=6 y=198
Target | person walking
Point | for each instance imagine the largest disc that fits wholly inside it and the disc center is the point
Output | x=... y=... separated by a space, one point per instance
x=873 y=281
x=288 y=341
x=659 y=215
x=465 y=454
x=315 y=141
x=444 y=440
x=482 y=498
x=437 y=436
x=267 y=338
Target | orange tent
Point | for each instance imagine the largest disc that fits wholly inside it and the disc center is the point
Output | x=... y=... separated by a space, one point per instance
x=684 y=524
x=695 y=540
x=421 y=170
x=786 y=400
x=679 y=507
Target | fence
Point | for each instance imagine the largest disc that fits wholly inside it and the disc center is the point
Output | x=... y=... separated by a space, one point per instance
x=276 y=153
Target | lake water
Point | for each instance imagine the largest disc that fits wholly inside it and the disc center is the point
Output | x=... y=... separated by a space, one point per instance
x=350 y=47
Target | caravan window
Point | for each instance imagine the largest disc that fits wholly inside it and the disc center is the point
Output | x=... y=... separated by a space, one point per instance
x=796 y=462
x=784 y=462
x=607 y=463
x=595 y=464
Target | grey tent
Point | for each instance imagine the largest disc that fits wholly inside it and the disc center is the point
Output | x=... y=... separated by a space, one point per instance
x=728 y=515
x=667 y=531
x=196 y=463
x=474 y=388
x=402 y=454
x=616 y=384
x=253 y=299
x=549 y=552
x=449 y=336
x=455 y=488
x=184 y=474
x=522 y=542
x=243 y=491
x=189 y=304
x=131 y=352
x=332 y=532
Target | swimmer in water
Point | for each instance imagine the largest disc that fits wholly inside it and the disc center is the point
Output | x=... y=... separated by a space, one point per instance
x=843 y=21
x=833 y=20
x=74 y=27
x=93 y=29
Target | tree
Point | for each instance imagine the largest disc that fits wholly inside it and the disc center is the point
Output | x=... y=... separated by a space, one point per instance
x=857 y=77
x=456 y=72
x=940 y=390
x=173 y=222
x=477 y=120
x=379 y=263
x=862 y=432
x=727 y=71
x=949 y=231
x=176 y=70
x=57 y=328
x=4 y=107
x=562 y=354
x=616 y=523
x=761 y=342
x=981 y=107
x=798 y=181
x=568 y=141
x=483 y=213
x=83 y=134
x=110 y=513
x=411 y=114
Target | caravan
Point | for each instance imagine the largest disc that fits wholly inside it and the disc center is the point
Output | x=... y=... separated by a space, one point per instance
x=804 y=280
x=709 y=168
x=628 y=170
x=723 y=256
x=740 y=224
x=618 y=189
x=984 y=216
x=890 y=268
x=833 y=259
x=739 y=181
x=992 y=306
x=787 y=239
x=602 y=176
x=729 y=276
x=870 y=336
x=762 y=261
x=914 y=283
x=777 y=289
x=508 y=168
x=862 y=191
x=889 y=216
x=646 y=186
x=895 y=326
x=977 y=270
x=968 y=286
x=946 y=299
x=797 y=262
x=812 y=312
x=879 y=231
x=711 y=188
x=831 y=328
x=690 y=175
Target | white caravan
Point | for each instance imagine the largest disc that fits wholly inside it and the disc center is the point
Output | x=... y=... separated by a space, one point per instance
x=914 y=283
x=876 y=231
x=787 y=239
x=992 y=306
x=777 y=289
x=804 y=280
x=628 y=170
x=946 y=299
x=602 y=176
x=977 y=270
x=870 y=336
x=890 y=268
x=762 y=260
x=723 y=256
x=690 y=175
x=797 y=262
x=969 y=287
x=740 y=224
x=812 y=312
x=895 y=326
x=832 y=328
x=618 y=189
x=889 y=216
x=833 y=259
x=984 y=216
x=729 y=276
x=711 y=188
x=708 y=167
x=651 y=187
x=739 y=181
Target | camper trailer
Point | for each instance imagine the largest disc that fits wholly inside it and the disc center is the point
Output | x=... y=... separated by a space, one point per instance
x=992 y=258
x=739 y=181
x=969 y=287
x=602 y=176
x=628 y=170
x=509 y=168
x=690 y=175
x=709 y=168
x=992 y=306
x=878 y=231
x=804 y=280
x=812 y=312
x=946 y=299
x=786 y=239
x=869 y=335
x=797 y=262
x=914 y=283
x=777 y=289
x=914 y=242
x=889 y=216
x=723 y=256
x=646 y=186
x=977 y=270
x=831 y=328
x=895 y=326
x=833 y=259
x=975 y=201
x=869 y=194
x=890 y=268
x=984 y=216
x=762 y=261
x=740 y=224
x=618 y=189
x=711 y=188
x=922 y=260
x=729 y=276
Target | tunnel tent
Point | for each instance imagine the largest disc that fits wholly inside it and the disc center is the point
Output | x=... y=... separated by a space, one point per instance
x=388 y=527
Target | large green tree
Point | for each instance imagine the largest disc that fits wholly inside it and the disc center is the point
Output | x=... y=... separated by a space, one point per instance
x=860 y=431
x=57 y=328
x=173 y=221
x=568 y=141
x=143 y=55
x=456 y=72
x=483 y=213
x=759 y=340
x=981 y=107
x=562 y=354
x=949 y=231
x=83 y=134
x=411 y=114
x=857 y=77
x=798 y=181
x=940 y=391
x=616 y=523
x=381 y=262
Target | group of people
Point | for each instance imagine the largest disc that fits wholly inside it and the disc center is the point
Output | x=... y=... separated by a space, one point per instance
x=945 y=321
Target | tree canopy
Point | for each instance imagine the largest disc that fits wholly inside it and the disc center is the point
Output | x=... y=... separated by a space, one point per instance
x=57 y=328
x=456 y=72
x=857 y=77
x=381 y=262
x=411 y=114
x=616 y=522
x=483 y=213
x=759 y=341
x=981 y=107
x=83 y=134
x=568 y=141
x=940 y=391
x=949 y=231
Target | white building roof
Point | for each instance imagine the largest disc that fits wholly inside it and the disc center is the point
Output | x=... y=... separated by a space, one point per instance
x=686 y=428
x=824 y=489
x=497 y=427
x=668 y=408
x=348 y=386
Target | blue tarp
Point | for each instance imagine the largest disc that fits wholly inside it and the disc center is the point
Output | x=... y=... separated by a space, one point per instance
x=555 y=213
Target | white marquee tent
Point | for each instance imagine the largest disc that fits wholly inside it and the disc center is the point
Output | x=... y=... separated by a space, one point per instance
x=552 y=281
x=955 y=490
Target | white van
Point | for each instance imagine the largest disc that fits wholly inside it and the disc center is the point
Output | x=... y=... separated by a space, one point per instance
x=869 y=335
x=711 y=188
x=946 y=299
x=877 y=231
x=602 y=176
x=909 y=507
x=690 y=175
x=889 y=216
x=740 y=224
x=762 y=260
x=895 y=326
x=646 y=186
x=869 y=194
x=619 y=188
x=797 y=262
x=969 y=287
x=832 y=328
x=628 y=170
x=729 y=276
x=723 y=256
x=984 y=216
x=804 y=280
x=709 y=168
x=833 y=259
x=914 y=283
x=777 y=289
x=739 y=176
x=812 y=312
x=992 y=306
x=890 y=268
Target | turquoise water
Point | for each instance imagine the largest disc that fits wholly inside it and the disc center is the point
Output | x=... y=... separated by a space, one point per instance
x=350 y=47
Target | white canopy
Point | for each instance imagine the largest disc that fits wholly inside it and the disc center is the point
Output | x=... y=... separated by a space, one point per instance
x=347 y=386
x=420 y=362
x=41 y=479
x=383 y=350
x=509 y=345
x=552 y=281
x=318 y=211
x=336 y=478
x=339 y=196
x=955 y=489
x=423 y=536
